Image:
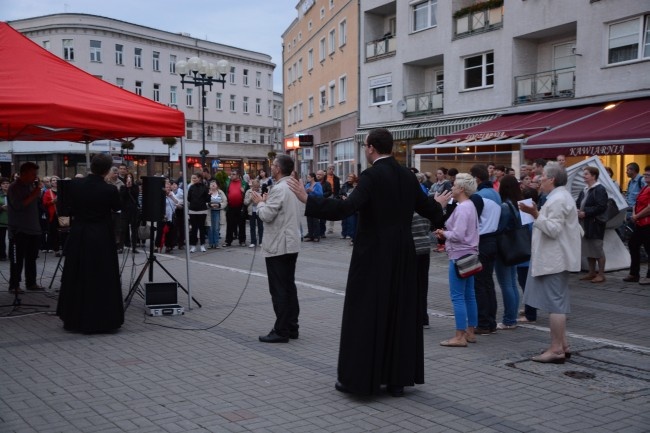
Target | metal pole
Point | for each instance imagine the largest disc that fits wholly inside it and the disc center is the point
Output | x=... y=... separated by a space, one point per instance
x=203 y=124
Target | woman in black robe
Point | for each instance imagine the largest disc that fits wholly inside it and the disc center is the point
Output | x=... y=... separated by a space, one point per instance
x=90 y=299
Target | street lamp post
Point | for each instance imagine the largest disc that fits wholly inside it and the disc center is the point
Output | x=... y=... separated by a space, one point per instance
x=201 y=73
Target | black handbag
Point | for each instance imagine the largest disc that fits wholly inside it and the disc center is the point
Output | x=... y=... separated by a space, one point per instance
x=513 y=246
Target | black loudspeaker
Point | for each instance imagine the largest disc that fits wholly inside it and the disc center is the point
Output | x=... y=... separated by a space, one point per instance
x=153 y=198
x=62 y=200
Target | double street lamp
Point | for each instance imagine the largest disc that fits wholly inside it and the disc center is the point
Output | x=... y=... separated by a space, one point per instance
x=201 y=73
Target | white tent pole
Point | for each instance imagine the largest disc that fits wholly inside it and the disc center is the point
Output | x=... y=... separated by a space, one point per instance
x=183 y=165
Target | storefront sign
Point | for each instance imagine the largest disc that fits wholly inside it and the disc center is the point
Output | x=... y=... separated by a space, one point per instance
x=486 y=135
x=5 y=157
x=613 y=149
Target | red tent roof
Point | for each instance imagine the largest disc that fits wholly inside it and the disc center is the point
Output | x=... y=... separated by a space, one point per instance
x=43 y=97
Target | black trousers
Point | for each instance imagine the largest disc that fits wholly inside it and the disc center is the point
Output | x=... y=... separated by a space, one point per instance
x=3 y=243
x=486 y=298
x=281 y=271
x=423 y=261
x=235 y=225
x=23 y=250
x=641 y=236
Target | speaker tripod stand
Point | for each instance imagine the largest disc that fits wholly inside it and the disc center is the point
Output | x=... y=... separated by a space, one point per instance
x=17 y=303
x=148 y=266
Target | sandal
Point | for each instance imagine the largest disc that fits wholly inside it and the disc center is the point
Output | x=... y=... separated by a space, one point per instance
x=449 y=343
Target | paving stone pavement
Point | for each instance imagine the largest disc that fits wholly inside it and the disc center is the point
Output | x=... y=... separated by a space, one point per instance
x=205 y=371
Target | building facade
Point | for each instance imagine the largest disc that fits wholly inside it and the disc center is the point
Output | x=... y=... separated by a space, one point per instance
x=320 y=85
x=428 y=67
x=242 y=117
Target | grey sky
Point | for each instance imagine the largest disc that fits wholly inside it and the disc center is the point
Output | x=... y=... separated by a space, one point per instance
x=255 y=25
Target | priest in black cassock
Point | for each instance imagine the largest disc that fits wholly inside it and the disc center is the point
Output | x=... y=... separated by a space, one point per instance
x=381 y=332
x=90 y=299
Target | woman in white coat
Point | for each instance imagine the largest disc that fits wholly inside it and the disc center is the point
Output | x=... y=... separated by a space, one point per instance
x=556 y=232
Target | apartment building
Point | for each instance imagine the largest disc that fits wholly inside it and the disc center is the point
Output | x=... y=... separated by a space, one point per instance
x=320 y=76
x=243 y=117
x=460 y=81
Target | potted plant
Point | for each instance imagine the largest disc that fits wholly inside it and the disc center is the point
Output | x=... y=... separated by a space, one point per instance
x=169 y=141
x=127 y=145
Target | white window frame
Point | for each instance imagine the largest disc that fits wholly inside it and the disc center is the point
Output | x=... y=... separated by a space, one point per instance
x=245 y=77
x=137 y=58
x=290 y=75
x=310 y=59
x=380 y=86
x=172 y=64
x=138 y=88
x=299 y=111
x=119 y=54
x=156 y=92
x=322 y=98
x=637 y=33
x=331 y=94
x=321 y=50
x=343 y=88
x=189 y=97
x=310 y=106
x=331 y=39
x=426 y=10
x=233 y=103
x=119 y=82
x=299 y=68
x=219 y=101
x=343 y=33
x=331 y=4
x=155 y=61
x=233 y=71
x=258 y=80
x=486 y=69
x=172 y=95
x=258 y=106
x=68 y=49
x=96 y=51
x=245 y=105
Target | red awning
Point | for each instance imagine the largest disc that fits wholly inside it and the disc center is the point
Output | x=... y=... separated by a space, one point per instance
x=520 y=125
x=624 y=129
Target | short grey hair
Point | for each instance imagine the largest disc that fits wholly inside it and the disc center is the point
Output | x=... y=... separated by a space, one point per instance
x=467 y=182
x=557 y=172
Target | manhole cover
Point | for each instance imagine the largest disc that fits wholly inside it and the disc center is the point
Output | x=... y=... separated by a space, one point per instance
x=579 y=374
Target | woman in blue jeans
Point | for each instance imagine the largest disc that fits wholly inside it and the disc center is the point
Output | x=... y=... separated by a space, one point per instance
x=461 y=235
x=510 y=193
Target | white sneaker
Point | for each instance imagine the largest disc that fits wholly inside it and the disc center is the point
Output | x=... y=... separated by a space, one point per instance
x=202 y=248
x=193 y=250
x=251 y=246
x=644 y=281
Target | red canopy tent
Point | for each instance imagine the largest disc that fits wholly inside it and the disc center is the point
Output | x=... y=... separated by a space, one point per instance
x=43 y=97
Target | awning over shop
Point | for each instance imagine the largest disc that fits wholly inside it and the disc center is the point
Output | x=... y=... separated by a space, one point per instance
x=520 y=125
x=426 y=130
x=623 y=129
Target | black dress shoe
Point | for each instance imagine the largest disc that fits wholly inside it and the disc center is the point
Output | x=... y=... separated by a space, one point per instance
x=272 y=337
x=395 y=390
x=342 y=388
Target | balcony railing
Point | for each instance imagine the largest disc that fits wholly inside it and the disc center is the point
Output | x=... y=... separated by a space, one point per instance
x=559 y=83
x=381 y=47
x=423 y=104
x=479 y=22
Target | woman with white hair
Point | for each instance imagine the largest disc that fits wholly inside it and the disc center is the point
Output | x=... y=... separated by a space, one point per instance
x=461 y=235
x=556 y=233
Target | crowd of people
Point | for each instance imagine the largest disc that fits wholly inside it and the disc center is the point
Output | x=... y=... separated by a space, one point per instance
x=385 y=311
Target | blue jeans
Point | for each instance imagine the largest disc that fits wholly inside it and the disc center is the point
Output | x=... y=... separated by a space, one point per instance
x=215 y=224
x=461 y=291
x=257 y=229
x=349 y=226
x=507 y=278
